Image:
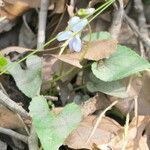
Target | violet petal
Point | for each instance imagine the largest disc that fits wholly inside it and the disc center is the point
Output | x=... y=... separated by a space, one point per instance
x=65 y=35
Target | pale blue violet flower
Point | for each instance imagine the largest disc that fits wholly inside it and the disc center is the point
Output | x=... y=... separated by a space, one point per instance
x=72 y=35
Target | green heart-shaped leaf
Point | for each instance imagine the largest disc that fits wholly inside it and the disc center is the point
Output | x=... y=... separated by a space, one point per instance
x=113 y=88
x=53 y=129
x=28 y=80
x=124 y=62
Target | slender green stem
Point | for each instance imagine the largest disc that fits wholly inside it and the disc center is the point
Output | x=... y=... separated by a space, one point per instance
x=13 y=65
x=101 y=7
x=80 y=87
x=67 y=73
x=52 y=40
x=101 y=10
x=64 y=75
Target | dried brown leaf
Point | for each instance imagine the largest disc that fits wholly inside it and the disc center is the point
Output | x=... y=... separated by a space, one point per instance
x=135 y=137
x=104 y=132
x=70 y=10
x=95 y=50
x=15 y=8
x=100 y=49
x=147 y=133
x=98 y=102
x=144 y=96
x=11 y=11
x=31 y=3
x=59 y=6
x=70 y=59
x=47 y=71
x=133 y=86
x=9 y=119
x=18 y=49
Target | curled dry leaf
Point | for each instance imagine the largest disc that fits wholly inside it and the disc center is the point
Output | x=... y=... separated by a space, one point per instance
x=13 y=10
x=9 y=119
x=97 y=50
x=147 y=133
x=105 y=131
x=70 y=10
x=133 y=85
x=94 y=50
x=98 y=102
x=70 y=59
x=47 y=71
x=18 y=49
x=31 y=3
x=135 y=138
x=58 y=6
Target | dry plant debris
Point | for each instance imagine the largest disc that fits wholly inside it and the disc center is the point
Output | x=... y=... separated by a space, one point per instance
x=74 y=74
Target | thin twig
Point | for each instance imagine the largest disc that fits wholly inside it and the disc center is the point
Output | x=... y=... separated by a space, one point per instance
x=135 y=28
x=117 y=21
x=3 y=89
x=42 y=24
x=6 y=101
x=142 y=49
x=142 y=24
x=136 y=109
x=126 y=131
x=140 y=129
x=3 y=145
x=141 y=17
x=52 y=98
x=14 y=134
x=33 y=140
x=72 y=3
x=58 y=25
x=99 y=119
